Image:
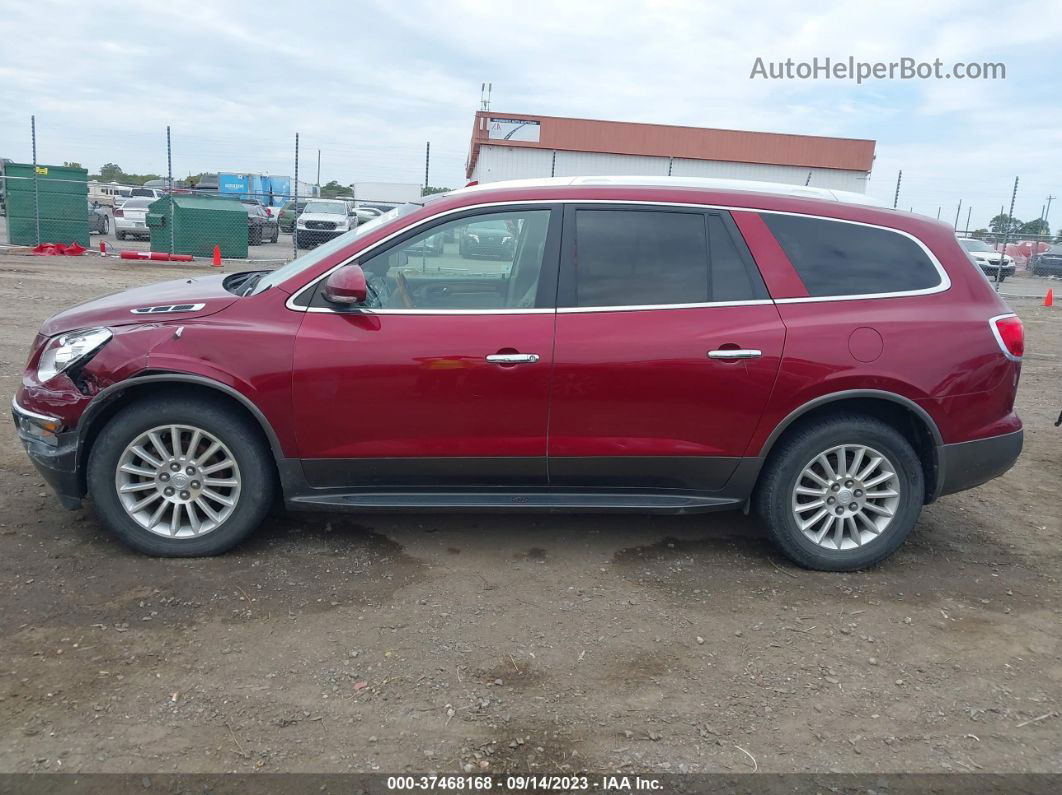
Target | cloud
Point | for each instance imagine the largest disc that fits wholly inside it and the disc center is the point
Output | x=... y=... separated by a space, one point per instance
x=370 y=82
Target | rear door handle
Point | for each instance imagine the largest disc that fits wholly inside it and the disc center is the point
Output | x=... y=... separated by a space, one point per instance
x=735 y=353
x=512 y=358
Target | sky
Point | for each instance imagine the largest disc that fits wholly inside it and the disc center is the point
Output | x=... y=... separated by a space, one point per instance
x=368 y=83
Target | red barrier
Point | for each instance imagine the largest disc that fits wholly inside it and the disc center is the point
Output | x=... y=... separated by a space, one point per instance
x=158 y=256
x=58 y=250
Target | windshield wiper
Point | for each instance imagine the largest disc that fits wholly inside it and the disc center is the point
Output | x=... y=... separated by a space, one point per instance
x=252 y=281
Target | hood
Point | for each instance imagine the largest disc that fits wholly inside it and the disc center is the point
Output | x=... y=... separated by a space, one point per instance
x=333 y=217
x=116 y=309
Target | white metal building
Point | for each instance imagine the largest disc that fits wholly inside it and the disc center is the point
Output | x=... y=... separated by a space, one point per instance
x=519 y=146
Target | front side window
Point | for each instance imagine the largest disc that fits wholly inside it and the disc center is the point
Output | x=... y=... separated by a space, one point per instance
x=488 y=261
x=837 y=258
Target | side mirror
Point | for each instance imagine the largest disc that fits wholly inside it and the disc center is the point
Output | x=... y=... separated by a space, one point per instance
x=346 y=286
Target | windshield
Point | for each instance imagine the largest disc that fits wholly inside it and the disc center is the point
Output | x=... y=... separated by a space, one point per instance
x=333 y=208
x=311 y=258
x=975 y=245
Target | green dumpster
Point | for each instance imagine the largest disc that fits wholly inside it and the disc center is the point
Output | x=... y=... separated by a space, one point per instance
x=60 y=196
x=195 y=224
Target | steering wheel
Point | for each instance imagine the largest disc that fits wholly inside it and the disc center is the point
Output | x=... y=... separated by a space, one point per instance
x=403 y=289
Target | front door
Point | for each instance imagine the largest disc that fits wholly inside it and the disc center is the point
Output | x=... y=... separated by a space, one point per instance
x=667 y=348
x=442 y=378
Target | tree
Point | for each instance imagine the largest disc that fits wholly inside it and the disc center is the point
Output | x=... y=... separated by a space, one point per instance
x=72 y=164
x=332 y=190
x=430 y=189
x=1004 y=223
x=979 y=234
x=1037 y=227
x=111 y=172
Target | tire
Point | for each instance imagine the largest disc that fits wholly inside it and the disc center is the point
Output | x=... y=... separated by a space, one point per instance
x=775 y=500
x=276 y=234
x=106 y=225
x=256 y=236
x=119 y=235
x=241 y=443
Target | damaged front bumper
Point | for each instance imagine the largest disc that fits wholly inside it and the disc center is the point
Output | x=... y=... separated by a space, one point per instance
x=53 y=450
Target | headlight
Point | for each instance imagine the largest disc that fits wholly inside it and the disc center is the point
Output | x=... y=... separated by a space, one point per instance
x=67 y=350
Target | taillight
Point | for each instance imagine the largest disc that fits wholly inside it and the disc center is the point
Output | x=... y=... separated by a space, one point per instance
x=119 y=213
x=1010 y=334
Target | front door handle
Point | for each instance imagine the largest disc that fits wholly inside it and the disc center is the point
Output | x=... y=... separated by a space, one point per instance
x=512 y=358
x=735 y=353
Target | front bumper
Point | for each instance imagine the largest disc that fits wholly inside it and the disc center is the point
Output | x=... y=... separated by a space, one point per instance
x=315 y=237
x=967 y=464
x=53 y=450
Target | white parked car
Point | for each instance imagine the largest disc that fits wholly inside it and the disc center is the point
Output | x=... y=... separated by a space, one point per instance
x=322 y=220
x=130 y=220
x=987 y=258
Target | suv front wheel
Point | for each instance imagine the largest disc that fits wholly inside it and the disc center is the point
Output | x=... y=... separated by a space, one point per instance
x=180 y=478
x=841 y=493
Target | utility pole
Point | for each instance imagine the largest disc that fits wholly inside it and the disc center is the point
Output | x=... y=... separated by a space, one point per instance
x=1047 y=212
x=896 y=197
x=1006 y=231
x=939 y=208
x=427 y=163
x=969 y=212
x=36 y=187
x=295 y=206
x=169 y=187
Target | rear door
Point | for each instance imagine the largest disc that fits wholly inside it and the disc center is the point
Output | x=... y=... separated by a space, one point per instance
x=667 y=348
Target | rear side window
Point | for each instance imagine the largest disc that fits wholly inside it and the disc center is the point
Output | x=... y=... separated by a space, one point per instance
x=836 y=258
x=630 y=257
x=656 y=258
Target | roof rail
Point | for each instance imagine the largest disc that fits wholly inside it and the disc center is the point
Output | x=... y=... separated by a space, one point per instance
x=702 y=183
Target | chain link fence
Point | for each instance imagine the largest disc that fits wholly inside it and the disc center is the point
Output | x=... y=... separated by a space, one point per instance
x=262 y=217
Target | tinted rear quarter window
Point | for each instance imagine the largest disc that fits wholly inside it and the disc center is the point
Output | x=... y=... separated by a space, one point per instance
x=836 y=258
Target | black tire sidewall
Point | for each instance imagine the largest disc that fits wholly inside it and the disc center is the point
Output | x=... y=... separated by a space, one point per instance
x=776 y=495
x=235 y=431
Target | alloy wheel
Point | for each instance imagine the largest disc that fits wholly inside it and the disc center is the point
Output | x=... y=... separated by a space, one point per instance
x=846 y=497
x=178 y=481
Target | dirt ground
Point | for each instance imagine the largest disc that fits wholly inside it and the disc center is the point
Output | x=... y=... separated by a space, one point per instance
x=533 y=643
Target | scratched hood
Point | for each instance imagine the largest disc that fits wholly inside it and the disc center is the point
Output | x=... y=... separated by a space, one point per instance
x=190 y=298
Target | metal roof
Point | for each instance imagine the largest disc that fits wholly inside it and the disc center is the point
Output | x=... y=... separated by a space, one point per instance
x=664 y=140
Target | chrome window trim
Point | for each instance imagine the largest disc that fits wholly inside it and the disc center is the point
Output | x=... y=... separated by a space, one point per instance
x=945 y=280
x=578 y=310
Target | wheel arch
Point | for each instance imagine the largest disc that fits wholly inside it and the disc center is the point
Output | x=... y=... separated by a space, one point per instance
x=913 y=421
x=116 y=396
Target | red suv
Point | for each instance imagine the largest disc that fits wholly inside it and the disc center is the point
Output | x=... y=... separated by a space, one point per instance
x=669 y=347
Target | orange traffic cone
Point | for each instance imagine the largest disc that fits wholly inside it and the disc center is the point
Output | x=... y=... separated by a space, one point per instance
x=217 y=257
x=1049 y=299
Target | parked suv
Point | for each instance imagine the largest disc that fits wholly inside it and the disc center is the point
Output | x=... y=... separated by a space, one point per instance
x=670 y=347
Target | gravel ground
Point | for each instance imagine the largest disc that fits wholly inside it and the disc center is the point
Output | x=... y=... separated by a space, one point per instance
x=548 y=644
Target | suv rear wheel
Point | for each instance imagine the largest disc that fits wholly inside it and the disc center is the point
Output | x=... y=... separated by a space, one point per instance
x=841 y=493
x=180 y=478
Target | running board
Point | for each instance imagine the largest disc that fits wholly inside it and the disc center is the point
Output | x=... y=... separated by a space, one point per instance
x=504 y=501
